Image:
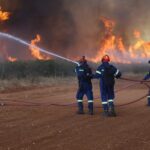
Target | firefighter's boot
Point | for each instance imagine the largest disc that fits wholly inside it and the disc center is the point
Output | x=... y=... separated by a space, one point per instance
x=90 y=107
x=112 y=112
x=80 y=108
x=105 y=113
x=148 y=99
x=105 y=107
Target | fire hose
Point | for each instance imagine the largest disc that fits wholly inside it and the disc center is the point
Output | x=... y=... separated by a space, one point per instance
x=58 y=56
x=134 y=80
x=25 y=103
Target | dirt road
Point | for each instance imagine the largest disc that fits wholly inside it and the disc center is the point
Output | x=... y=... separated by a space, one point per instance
x=29 y=122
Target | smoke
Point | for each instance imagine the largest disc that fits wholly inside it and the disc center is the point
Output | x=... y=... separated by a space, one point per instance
x=73 y=27
x=44 y=17
x=128 y=15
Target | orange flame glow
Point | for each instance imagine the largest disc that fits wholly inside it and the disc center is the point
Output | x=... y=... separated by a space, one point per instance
x=35 y=52
x=114 y=46
x=140 y=48
x=12 y=59
x=4 y=15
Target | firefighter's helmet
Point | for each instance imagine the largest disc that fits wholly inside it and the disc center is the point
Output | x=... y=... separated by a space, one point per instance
x=105 y=58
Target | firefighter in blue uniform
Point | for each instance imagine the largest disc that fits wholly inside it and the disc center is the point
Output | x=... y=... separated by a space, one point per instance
x=107 y=74
x=147 y=76
x=84 y=74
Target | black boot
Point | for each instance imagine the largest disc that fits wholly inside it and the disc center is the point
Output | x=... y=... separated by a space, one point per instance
x=148 y=99
x=105 y=113
x=90 y=107
x=80 y=108
x=80 y=112
x=112 y=112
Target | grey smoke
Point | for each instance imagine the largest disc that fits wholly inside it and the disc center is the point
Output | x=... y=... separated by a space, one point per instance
x=72 y=27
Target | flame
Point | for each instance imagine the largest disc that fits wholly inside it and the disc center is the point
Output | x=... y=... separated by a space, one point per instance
x=109 y=24
x=140 y=48
x=4 y=15
x=113 y=45
x=12 y=59
x=35 y=52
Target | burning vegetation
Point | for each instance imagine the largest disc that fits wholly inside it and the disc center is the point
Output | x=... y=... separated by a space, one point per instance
x=115 y=47
x=121 y=49
x=35 y=52
x=111 y=44
x=4 y=15
x=11 y=59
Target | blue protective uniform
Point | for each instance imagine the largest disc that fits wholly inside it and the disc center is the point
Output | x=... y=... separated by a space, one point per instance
x=107 y=74
x=84 y=74
x=147 y=76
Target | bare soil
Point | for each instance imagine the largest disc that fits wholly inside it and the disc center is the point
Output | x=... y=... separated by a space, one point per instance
x=29 y=121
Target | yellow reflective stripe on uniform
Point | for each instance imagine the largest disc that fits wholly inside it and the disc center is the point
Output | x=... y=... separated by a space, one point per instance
x=90 y=101
x=98 y=72
x=116 y=73
x=110 y=100
x=104 y=102
x=80 y=100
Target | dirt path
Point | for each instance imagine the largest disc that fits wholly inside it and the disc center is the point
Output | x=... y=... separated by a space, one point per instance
x=28 y=127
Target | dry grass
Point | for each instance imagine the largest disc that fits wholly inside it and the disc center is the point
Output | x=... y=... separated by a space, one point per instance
x=34 y=82
x=37 y=82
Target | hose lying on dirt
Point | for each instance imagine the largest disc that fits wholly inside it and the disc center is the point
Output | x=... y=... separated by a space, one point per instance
x=8 y=102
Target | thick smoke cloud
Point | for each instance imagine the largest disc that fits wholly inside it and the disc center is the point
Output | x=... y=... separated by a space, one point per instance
x=72 y=27
x=45 y=17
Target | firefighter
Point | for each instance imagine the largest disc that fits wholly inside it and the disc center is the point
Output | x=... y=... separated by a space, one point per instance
x=107 y=74
x=84 y=74
x=147 y=76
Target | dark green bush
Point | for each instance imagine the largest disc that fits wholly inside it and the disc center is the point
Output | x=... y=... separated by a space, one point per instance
x=55 y=68
x=48 y=68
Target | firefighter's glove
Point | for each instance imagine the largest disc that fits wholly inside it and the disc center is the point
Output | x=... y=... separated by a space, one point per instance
x=118 y=75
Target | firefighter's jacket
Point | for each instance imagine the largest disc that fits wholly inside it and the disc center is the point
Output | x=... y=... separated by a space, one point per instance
x=147 y=76
x=107 y=74
x=84 y=74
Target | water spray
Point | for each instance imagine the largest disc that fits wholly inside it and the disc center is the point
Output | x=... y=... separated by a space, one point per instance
x=9 y=36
